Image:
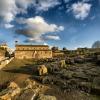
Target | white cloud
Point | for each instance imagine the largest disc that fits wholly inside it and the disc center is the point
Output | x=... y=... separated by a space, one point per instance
x=8 y=26
x=45 y=43
x=44 y=5
x=81 y=10
x=53 y=37
x=34 y=39
x=23 y=5
x=37 y=27
x=20 y=20
x=9 y=9
x=61 y=28
x=50 y=46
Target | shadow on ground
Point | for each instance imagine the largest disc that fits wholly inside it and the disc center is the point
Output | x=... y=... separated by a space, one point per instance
x=26 y=69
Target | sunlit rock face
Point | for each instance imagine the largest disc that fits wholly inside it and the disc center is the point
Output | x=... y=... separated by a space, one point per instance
x=11 y=91
x=2 y=54
x=42 y=70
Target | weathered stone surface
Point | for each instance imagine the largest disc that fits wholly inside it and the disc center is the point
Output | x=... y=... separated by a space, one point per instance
x=69 y=61
x=62 y=64
x=29 y=84
x=46 y=97
x=33 y=51
x=53 y=68
x=11 y=91
x=26 y=95
x=42 y=69
x=27 y=92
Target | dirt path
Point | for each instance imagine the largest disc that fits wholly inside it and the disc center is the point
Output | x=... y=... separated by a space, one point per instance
x=20 y=79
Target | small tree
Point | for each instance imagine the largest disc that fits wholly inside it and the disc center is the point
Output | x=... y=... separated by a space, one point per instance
x=64 y=48
x=54 y=48
x=7 y=54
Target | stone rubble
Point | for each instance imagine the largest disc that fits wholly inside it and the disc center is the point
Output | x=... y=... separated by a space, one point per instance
x=29 y=92
x=12 y=90
x=42 y=70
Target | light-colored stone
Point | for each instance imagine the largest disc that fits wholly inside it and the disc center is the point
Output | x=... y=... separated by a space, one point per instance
x=42 y=69
x=30 y=84
x=33 y=51
x=46 y=97
x=5 y=97
x=11 y=91
x=13 y=85
x=62 y=63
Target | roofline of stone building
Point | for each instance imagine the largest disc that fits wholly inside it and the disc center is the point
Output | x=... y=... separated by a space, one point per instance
x=32 y=45
x=34 y=50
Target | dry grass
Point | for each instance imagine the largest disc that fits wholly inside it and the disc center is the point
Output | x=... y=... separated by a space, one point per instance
x=73 y=95
x=15 y=69
x=20 y=70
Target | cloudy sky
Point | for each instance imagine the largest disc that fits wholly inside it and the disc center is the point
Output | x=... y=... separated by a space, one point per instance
x=63 y=23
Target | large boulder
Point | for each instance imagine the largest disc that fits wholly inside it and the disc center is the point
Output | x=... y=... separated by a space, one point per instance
x=42 y=70
x=69 y=61
x=46 y=97
x=62 y=64
x=53 y=67
x=11 y=91
x=29 y=84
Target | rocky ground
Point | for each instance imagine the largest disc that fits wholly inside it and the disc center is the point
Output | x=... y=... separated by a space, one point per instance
x=64 y=79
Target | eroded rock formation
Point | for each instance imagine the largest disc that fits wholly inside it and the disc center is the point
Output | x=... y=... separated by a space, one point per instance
x=42 y=70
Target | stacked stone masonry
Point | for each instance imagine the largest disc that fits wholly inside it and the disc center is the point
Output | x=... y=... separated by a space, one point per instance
x=33 y=51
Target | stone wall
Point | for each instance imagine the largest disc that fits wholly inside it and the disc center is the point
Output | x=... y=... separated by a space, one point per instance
x=57 y=53
x=2 y=55
x=32 y=51
x=32 y=47
x=33 y=54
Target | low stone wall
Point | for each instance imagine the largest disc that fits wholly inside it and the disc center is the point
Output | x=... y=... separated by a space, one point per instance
x=5 y=62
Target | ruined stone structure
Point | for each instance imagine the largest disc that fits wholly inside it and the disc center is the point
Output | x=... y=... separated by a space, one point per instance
x=2 y=54
x=32 y=51
x=4 y=46
x=58 y=53
x=42 y=70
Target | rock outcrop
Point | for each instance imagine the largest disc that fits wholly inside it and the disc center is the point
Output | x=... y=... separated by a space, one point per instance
x=11 y=91
x=42 y=70
x=62 y=64
x=29 y=91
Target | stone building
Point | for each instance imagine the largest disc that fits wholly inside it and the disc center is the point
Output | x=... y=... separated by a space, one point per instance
x=32 y=51
x=4 y=46
x=2 y=54
x=58 y=53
